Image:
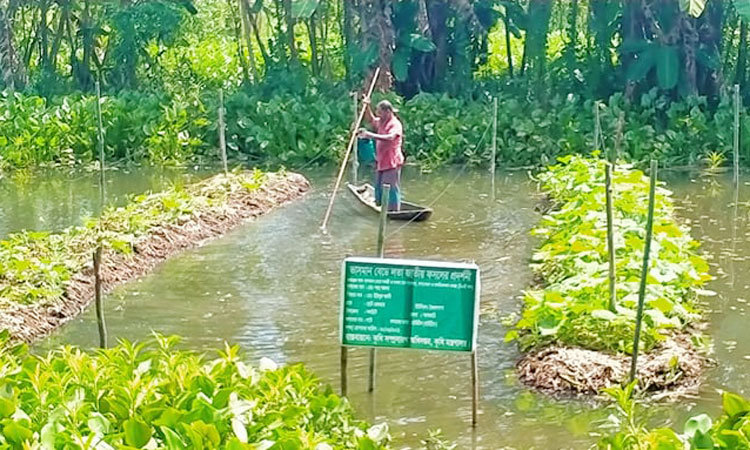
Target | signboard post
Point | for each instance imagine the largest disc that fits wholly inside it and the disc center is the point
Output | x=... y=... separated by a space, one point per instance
x=408 y=304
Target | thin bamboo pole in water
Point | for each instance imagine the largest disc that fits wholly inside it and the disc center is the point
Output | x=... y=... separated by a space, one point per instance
x=384 y=201
x=736 y=146
x=353 y=138
x=644 y=272
x=611 y=239
x=98 y=297
x=222 y=132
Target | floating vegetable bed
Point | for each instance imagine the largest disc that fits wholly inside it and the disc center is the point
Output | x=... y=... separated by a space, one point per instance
x=574 y=339
x=151 y=395
x=47 y=278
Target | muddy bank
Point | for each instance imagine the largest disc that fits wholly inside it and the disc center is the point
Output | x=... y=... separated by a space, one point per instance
x=30 y=322
x=671 y=370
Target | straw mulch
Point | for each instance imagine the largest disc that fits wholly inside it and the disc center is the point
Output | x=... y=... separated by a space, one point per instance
x=31 y=322
x=673 y=369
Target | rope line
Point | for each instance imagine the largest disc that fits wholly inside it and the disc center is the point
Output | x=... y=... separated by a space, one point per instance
x=447 y=187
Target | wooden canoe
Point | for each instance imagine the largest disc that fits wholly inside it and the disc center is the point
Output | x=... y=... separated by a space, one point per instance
x=409 y=211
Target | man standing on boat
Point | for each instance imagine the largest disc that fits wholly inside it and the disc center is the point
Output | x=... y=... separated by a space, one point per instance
x=389 y=157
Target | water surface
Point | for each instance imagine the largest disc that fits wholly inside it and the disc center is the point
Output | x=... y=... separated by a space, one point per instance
x=272 y=286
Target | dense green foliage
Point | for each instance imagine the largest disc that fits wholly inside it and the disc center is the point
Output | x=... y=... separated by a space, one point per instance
x=573 y=305
x=35 y=266
x=731 y=430
x=152 y=395
x=287 y=65
x=310 y=127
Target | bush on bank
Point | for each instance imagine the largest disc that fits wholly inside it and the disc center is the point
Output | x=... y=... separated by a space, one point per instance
x=572 y=305
x=151 y=395
x=294 y=127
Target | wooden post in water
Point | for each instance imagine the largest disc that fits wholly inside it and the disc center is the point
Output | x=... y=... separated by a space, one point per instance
x=597 y=128
x=736 y=146
x=222 y=132
x=101 y=324
x=384 y=201
x=474 y=388
x=98 y=297
x=644 y=272
x=344 y=363
x=101 y=143
x=619 y=136
x=494 y=146
x=610 y=238
x=355 y=159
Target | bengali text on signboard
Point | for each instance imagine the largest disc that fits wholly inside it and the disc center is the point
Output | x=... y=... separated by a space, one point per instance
x=409 y=304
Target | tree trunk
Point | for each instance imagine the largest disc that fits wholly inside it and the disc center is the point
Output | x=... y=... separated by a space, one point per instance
x=290 y=22
x=256 y=31
x=572 y=36
x=237 y=29
x=85 y=78
x=13 y=72
x=246 y=28
x=313 y=46
x=508 y=50
x=59 y=34
x=739 y=75
x=43 y=34
x=348 y=38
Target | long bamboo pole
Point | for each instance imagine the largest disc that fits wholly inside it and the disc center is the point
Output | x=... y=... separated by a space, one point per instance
x=384 y=203
x=736 y=146
x=611 y=239
x=101 y=324
x=493 y=167
x=644 y=272
x=222 y=132
x=353 y=138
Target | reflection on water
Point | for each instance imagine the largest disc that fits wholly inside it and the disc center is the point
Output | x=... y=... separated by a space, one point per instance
x=273 y=287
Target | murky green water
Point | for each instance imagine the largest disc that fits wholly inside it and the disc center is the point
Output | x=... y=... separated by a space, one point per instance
x=273 y=287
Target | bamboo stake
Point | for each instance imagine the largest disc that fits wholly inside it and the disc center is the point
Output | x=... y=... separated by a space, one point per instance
x=736 y=145
x=474 y=389
x=619 y=136
x=222 y=132
x=344 y=364
x=644 y=272
x=494 y=146
x=98 y=297
x=355 y=160
x=597 y=127
x=101 y=143
x=348 y=151
x=611 y=239
x=384 y=201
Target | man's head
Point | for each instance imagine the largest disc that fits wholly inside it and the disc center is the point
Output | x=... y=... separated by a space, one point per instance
x=385 y=110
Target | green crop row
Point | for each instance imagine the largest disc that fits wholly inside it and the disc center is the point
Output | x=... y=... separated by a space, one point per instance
x=572 y=306
x=311 y=125
x=35 y=266
x=151 y=395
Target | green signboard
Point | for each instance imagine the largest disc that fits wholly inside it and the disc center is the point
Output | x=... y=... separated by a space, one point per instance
x=409 y=304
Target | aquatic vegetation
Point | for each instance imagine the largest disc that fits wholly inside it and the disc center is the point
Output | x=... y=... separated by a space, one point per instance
x=571 y=306
x=152 y=395
x=731 y=430
x=309 y=125
x=35 y=266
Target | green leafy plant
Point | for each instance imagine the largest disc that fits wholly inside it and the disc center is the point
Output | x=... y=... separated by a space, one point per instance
x=572 y=307
x=152 y=395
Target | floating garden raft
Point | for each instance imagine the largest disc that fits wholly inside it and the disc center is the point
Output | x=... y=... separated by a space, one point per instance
x=574 y=342
x=46 y=279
